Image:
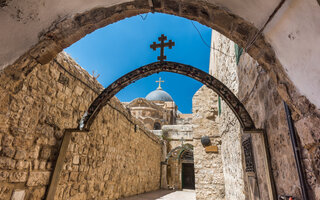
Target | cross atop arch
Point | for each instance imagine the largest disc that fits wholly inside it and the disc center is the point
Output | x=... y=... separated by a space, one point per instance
x=162 y=45
x=226 y=94
x=160 y=81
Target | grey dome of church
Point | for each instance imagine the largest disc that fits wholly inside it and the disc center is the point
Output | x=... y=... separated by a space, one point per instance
x=159 y=95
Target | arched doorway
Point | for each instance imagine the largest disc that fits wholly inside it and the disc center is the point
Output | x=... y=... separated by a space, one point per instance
x=187 y=169
x=180 y=167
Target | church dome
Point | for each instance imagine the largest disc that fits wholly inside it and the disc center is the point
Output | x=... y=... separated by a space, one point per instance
x=159 y=95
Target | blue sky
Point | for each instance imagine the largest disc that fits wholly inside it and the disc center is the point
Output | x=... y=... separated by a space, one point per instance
x=121 y=47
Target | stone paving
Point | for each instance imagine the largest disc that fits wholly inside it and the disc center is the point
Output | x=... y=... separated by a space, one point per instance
x=165 y=195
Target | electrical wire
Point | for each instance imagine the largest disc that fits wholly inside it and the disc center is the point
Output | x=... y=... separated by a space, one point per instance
x=264 y=26
x=205 y=43
x=144 y=17
x=202 y=39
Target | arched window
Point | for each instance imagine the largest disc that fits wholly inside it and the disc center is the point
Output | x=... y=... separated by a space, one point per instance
x=157 y=126
x=186 y=155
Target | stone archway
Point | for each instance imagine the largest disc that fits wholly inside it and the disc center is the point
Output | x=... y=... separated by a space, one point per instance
x=177 y=151
x=70 y=28
x=67 y=31
x=79 y=22
x=175 y=160
x=156 y=67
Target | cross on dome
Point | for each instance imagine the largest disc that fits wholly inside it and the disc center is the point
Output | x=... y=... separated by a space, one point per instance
x=160 y=81
x=159 y=94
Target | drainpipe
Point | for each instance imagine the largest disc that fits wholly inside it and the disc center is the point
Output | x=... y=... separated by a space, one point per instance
x=296 y=152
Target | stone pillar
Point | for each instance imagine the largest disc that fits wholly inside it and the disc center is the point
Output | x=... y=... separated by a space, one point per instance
x=209 y=180
x=223 y=67
x=247 y=176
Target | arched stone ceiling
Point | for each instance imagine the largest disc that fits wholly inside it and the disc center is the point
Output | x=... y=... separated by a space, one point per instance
x=289 y=44
x=156 y=67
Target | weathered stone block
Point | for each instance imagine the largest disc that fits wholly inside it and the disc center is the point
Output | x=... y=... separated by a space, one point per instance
x=49 y=166
x=64 y=177
x=51 y=92
x=8 y=151
x=76 y=159
x=38 y=178
x=42 y=165
x=17 y=177
x=38 y=193
x=5 y=191
x=4 y=175
x=34 y=152
x=21 y=164
x=78 y=90
x=7 y=163
x=63 y=79
x=45 y=153
x=36 y=164
x=73 y=176
x=20 y=154
x=7 y=140
x=307 y=128
x=17 y=131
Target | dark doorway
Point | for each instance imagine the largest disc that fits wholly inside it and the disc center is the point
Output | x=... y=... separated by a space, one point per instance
x=188 y=180
x=157 y=126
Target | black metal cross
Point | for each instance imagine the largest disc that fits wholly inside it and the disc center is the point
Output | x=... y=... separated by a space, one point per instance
x=161 y=45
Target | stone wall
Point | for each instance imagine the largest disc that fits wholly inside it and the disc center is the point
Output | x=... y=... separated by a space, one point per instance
x=259 y=95
x=256 y=89
x=108 y=162
x=223 y=67
x=37 y=103
x=208 y=166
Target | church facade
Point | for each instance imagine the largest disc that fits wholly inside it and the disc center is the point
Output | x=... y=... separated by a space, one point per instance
x=156 y=110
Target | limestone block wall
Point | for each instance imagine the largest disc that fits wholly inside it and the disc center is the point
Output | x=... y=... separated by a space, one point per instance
x=115 y=159
x=259 y=95
x=257 y=91
x=37 y=102
x=209 y=179
x=223 y=67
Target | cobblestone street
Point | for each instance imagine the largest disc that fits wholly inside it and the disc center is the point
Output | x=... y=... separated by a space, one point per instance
x=165 y=195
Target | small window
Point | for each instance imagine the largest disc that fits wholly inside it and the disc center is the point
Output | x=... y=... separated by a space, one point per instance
x=157 y=126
